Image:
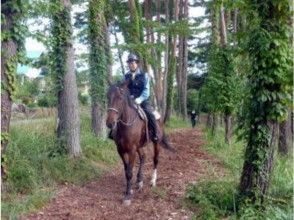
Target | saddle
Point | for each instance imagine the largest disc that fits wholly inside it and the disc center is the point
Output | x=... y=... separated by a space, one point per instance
x=143 y=116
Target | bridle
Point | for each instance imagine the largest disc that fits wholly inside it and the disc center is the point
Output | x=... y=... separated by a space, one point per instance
x=120 y=120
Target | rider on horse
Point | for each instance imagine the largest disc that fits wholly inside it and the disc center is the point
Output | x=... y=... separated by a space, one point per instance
x=139 y=88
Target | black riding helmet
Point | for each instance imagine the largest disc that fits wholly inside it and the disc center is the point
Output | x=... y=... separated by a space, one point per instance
x=133 y=57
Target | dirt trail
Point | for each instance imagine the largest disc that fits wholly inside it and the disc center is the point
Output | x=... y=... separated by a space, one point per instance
x=102 y=199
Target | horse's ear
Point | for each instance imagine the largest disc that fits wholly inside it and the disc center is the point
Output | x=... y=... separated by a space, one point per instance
x=124 y=84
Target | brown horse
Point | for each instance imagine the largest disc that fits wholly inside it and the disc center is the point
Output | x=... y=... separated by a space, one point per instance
x=129 y=134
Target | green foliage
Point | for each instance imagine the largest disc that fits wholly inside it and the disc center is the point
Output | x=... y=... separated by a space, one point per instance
x=222 y=87
x=84 y=99
x=47 y=101
x=269 y=83
x=216 y=198
x=192 y=100
x=27 y=90
x=60 y=38
x=98 y=56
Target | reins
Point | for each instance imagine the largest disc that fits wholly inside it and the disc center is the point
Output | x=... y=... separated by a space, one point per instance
x=120 y=120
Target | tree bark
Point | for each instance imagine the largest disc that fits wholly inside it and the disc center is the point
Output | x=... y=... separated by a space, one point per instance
x=285 y=135
x=8 y=70
x=183 y=64
x=257 y=177
x=99 y=65
x=228 y=128
x=68 y=107
x=171 y=62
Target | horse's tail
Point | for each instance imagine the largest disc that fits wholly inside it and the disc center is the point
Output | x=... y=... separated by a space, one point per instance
x=166 y=144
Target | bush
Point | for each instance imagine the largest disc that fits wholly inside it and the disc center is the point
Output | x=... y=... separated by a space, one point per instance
x=84 y=99
x=22 y=177
x=47 y=101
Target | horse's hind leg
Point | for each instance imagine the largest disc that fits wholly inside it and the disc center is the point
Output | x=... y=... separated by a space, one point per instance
x=140 y=174
x=128 y=159
x=155 y=162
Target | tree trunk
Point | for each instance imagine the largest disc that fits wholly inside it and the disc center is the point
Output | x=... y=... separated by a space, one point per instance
x=68 y=130
x=183 y=64
x=285 y=135
x=228 y=128
x=256 y=178
x=174 y=12
x=99 y=65
x=209 y=121
x=9 y=48
x=8 y=70
x=108 y=55
x=166 y=58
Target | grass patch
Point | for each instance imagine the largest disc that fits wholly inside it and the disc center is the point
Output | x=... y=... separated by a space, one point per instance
x=218 y=199
x=31 y=169
x=176 y=122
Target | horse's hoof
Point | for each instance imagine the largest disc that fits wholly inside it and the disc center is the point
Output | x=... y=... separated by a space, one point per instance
x=140 y=185
x=126 y=202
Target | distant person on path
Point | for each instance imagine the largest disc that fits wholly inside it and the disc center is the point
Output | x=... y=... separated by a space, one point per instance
x=193 y=118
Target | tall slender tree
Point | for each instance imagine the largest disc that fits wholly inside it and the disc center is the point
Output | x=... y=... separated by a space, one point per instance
x=172 y=62
x=98 y=64
x=68 y=129
x=183 y=62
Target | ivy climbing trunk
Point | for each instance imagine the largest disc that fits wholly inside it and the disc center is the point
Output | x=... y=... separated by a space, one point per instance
x=269 y=79
x=8 y=70
x=68 y=128
x=11 y=44
x=98 y=65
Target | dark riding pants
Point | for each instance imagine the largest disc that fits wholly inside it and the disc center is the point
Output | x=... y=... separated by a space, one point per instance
x=148 y=109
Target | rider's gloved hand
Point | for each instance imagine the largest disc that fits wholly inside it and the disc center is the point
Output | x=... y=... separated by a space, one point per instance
x=138 y=101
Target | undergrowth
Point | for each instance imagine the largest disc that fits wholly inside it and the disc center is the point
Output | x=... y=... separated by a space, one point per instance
x=35 y=168
x=218 y=198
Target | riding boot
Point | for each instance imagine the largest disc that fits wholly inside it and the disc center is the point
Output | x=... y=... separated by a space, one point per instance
x=153 y=126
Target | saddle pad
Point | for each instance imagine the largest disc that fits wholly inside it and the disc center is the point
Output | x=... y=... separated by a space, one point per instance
x=141 y=113
x=156 y=115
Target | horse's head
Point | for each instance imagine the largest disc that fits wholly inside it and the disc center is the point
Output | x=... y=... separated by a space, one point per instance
x=116 y=96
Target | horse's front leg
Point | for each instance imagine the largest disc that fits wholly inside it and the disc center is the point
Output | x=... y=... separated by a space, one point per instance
x=129 y=159
x=140 y=174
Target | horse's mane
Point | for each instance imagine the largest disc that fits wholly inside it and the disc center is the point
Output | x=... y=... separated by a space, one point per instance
x=124 y=84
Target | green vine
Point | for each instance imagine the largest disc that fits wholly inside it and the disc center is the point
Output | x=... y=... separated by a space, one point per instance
x=98 y=58
x=268 y=85
x=13 y=15
x=61 y=35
